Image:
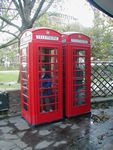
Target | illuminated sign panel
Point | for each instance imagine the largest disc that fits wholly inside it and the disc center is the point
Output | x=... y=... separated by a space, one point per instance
x=46 y=37
x=79 y=41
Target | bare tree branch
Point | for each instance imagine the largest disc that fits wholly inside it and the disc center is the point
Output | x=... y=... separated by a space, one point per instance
x=37 y=11
x=2 y=27
x=21 y=9
x=32 y=3
x=4 y=31
x=46 y=9
x=9 y=6
x=10 y=23
x=16 y=4
x=24 y=9
x=18 y=8
x=13 y=41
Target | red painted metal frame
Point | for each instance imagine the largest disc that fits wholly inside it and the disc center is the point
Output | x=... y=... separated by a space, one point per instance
x=82 y=43
x=31 y=109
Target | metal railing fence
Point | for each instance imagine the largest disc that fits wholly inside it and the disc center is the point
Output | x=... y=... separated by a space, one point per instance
x=101 y=79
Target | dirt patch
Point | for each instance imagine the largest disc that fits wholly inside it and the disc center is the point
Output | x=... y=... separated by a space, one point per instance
x=101 y=117
x=14 y=103
x=103 y=105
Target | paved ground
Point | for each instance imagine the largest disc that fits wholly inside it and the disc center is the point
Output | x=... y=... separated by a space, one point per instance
x=83 y=133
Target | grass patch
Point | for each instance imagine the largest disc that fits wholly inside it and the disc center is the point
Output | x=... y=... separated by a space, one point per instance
x=10 y=86
x=9 y=76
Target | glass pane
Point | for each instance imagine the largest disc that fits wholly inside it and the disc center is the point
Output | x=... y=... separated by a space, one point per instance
x=79 y=88
x=79 y=66
x=48 y=59
x=78 y=73
x=79 y=81
x=48 y=75
x=79 y=95
x=25 y=92
x=50 y=51
x=25 y=107
x=24 y=52
x=80 y=102
x=47 y=67
x=25 y=99
x=24 y=59
x=48 y=108
x=24 y=66
x=79 y=52
x=48 y=100
x=79 y=59
x=47 y=92
x=24 y=83
x=24 y=75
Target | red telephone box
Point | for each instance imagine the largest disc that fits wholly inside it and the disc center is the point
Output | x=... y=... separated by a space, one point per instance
x=77 y=73
x=41 y=75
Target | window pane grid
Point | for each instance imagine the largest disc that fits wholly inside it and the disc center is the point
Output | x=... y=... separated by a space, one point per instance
x=79 y=77
x=48 y=78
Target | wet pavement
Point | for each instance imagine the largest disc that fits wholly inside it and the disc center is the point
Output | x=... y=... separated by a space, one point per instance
x=93 y=132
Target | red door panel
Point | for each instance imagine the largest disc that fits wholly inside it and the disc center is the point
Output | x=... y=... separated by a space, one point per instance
x=80 y=80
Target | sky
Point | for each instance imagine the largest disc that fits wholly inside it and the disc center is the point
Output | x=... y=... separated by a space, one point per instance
x=80 y=9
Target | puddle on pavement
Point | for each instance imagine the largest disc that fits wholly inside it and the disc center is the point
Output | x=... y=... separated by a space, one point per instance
x=85 y=132
x=90 y=132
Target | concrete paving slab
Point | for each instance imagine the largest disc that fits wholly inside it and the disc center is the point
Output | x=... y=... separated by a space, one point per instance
x=28 y=148
x=43 y=144
x=6 y=129
x=63 y=126
x=6 y=145
x=3 y=122
x=20 y=123
x=10 y=137
x=75 y=126
x=59 y=143
x=81 y=133
x=16 y=148
x=20 y=143
x=44 y=132
x=21 y=134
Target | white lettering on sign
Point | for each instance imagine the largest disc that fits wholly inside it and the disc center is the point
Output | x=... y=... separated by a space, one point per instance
x=26 y=37
x=79 y=41
x=46 y=37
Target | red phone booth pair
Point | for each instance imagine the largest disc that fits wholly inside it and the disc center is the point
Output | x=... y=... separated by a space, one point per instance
x=50 y=61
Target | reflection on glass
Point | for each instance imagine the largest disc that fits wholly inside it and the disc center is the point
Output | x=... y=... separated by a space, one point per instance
x=80 y=60
x=24 y=59
x=25 y=99
x=48 y=73
x=78 y=88
x=80 y=102
x=50 y=51
x=79 y=73
x=24 y=53
x=80 y=95
x=48 y=67
x=24 y=75
x=24 y=66
x=25 y=107
x=24 y=83
x=25 y=92
x=80 y=52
